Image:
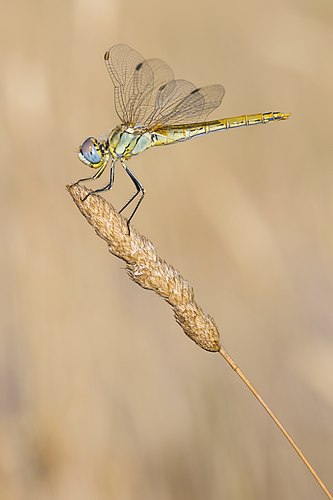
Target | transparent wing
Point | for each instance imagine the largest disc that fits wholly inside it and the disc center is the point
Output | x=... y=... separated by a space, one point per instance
x=162 y=75
x=136 y=82
x=146 y=93
x=180 y=102
x=133 y=81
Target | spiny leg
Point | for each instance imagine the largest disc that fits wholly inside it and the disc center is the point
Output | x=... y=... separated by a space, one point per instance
x=95 y=176
x=108 y=185
x=139 y=189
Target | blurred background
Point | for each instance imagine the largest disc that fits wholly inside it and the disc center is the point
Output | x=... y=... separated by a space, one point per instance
x=101 y=394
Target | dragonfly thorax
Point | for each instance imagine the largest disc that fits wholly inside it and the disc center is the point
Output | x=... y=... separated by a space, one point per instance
x=125 y=142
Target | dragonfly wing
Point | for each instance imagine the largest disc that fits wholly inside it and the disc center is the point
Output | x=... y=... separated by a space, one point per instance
x=133 y=81
x=180 y=102
x=162 y=75
x=166 y=98
x=146 y=93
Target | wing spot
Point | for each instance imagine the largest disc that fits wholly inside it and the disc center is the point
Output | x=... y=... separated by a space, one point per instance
x=139 y=66
x=195 y=90
x=106 y=55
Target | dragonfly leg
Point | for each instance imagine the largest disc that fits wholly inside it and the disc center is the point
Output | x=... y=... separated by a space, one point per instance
x=109 y=184
x=139 y=189
x=95 y=176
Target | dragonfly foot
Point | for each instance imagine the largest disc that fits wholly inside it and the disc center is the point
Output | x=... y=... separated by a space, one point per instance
x=85 y=197
x=128 y=227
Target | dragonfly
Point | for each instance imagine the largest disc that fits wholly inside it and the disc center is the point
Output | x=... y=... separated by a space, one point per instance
x=154 y=109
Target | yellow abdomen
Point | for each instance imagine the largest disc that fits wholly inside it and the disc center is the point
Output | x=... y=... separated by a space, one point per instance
x=176 y=133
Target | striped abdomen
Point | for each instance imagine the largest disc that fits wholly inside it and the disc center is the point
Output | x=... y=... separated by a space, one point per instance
x=171 y=134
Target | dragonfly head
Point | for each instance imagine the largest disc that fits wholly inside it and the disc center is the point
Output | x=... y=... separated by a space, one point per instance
x=93 y=152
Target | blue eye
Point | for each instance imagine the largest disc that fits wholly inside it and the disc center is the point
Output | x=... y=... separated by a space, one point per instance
x=89 y=151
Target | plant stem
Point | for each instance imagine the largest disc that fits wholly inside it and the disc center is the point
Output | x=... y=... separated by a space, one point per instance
x=299 y=452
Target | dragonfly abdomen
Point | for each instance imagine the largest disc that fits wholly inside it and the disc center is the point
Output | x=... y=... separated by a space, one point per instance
x=255 y=119
x=178 y=133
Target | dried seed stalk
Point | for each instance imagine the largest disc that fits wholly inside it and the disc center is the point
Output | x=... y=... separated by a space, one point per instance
x=147 y=269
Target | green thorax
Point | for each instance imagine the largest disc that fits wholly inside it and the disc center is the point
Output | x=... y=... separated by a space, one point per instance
x=125 y=142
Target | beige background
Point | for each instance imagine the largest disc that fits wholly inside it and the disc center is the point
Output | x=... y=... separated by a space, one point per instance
x=101 y=394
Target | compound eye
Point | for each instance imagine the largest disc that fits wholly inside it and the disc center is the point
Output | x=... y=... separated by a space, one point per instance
x=89 y=151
